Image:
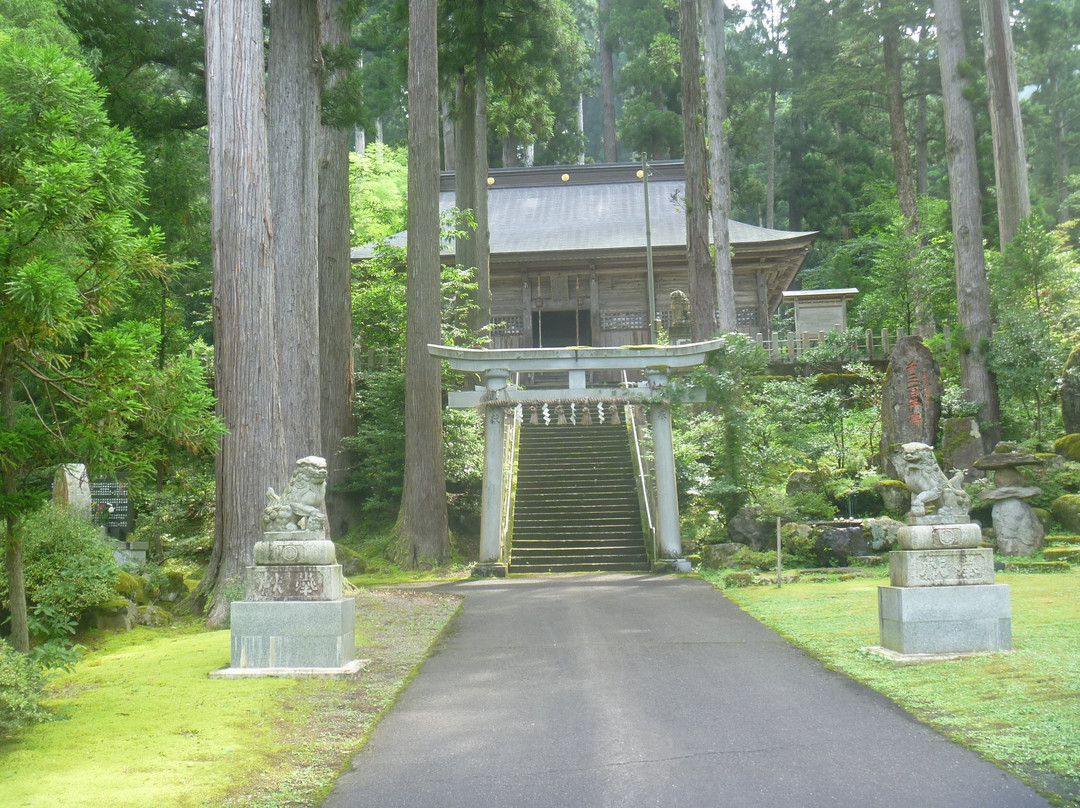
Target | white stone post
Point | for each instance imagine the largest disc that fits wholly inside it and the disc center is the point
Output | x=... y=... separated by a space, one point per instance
x=667 y=497
x=495 y=381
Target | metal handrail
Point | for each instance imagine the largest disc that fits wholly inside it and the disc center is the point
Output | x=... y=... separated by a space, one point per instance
x=642 y=477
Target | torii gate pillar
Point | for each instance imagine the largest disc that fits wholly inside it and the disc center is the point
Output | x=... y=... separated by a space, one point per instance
x=491 y=507
x=667 y=496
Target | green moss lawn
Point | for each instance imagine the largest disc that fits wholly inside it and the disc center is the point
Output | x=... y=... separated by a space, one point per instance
x=138 y=724
x=1021 y=709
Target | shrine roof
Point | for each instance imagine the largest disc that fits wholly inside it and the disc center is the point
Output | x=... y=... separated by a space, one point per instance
x=564 y=209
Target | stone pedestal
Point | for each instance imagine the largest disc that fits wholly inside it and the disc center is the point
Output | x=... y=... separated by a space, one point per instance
x=294 y=634
x=942 y=598
x=945 y=619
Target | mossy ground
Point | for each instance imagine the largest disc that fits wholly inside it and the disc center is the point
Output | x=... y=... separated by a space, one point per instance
x=139 y=724
x=1021 y=709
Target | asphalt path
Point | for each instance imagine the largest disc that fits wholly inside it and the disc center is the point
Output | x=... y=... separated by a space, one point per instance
x=626 y=691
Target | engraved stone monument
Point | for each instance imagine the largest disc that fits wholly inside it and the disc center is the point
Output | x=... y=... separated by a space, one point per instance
x=942 y=598
x=293 y=619
x=910 y=398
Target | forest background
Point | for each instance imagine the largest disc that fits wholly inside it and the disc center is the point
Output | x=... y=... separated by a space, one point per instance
x=107 y=240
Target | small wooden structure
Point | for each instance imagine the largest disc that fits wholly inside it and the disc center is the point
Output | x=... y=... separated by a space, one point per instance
x=818 y=310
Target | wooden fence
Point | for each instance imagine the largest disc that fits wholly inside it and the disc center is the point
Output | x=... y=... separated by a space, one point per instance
x=870 y=346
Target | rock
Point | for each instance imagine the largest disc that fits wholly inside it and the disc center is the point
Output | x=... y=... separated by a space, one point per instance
x=153 y=617
x=748 y=528
x=1066 y=509
x=1068 y=446
x=881 y=533
x=839 y=543
x=174 y=589
x=717 y=556
x=352 y=563
x=119 y=614
x=1051 y=461
x=910 y=398
x=962 y=445
x=1017 y=528
x=1044 y=518
x=1006 y=460
x=895 y=496
x=803 y=481
x=1010 y=492
x=132 y=587
x=71 y=488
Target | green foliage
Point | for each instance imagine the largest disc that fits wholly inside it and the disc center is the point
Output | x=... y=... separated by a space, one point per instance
x=21 y=691
x=1034 y=291
x=379 y=180
x=180 y=517
x=710 y=449
x=68 y=568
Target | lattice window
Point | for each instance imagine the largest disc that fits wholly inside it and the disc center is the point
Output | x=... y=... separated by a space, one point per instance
x=623 y=320
x=510 y=325
x=746 y=315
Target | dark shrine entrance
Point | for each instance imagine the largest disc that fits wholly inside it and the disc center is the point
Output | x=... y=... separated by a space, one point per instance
x=559 y=329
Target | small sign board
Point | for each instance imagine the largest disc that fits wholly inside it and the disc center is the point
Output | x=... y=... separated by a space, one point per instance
x=110 y=505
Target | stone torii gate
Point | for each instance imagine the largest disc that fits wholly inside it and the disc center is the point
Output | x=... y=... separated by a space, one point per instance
x=497 y=395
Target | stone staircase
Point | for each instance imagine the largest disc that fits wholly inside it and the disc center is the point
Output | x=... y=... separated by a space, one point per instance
x=576 y=503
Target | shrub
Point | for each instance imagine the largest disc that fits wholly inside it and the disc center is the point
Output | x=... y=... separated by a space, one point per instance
x=67 y=568
x=20 y=690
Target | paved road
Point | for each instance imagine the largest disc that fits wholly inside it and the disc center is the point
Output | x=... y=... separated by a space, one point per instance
x=627 y=691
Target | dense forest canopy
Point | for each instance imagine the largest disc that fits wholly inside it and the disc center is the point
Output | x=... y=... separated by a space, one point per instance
x=835 y=123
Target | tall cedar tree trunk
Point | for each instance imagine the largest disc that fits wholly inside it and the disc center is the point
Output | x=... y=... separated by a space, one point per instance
x=335 y=289
x=972 y=290
x=607 y=88
x=470 y=184
x=712 y=16
x=465 y=166
x=13 y=542
x=448 y=135
x=252 y=455
x=905 y=175
x=423 y=534
x=702 y=290
x=1006 y=127
x=294 y=78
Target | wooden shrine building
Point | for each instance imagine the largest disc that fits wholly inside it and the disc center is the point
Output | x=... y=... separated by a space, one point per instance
x=569 y=261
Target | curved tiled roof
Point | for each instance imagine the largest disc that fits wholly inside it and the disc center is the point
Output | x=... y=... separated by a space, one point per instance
x=534 y=211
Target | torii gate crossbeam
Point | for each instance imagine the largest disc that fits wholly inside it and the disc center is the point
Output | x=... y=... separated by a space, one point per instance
x=497 y=395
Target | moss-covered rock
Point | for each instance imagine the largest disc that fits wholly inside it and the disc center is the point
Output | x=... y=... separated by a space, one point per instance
x=1038 y=566
x=352 y=563
x=118 y=614
x=1066 y=509
x=1068 y=446
x=1062 y=553
x=1044 y=517
x=894 y=495
x=733 y=579
x=132 y=587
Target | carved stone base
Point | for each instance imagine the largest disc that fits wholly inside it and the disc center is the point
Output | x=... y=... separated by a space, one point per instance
x=293 y=634
x=305 y=582
x=939 y=537
x=294 y=548
x=941 y=567
x=945 y=619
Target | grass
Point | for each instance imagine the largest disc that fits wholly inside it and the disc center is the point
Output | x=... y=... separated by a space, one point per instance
x=1020 y=710
x=139 y=724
